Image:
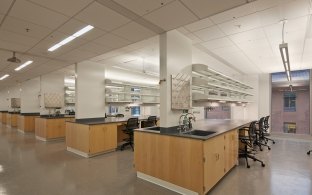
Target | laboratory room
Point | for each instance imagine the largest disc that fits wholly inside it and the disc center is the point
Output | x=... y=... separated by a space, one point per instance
x=162 y=97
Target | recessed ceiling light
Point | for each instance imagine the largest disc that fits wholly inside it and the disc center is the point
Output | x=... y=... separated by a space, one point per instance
x=72 y=37
x=4 y=76
x=23 y=65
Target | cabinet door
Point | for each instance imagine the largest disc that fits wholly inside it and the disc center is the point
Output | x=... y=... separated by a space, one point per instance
x=230 y=150
x=103 y=138
x=213 y=161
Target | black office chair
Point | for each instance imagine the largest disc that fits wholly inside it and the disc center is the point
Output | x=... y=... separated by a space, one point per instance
x=249 y=151
x=265 y=128
x=308 y=153
x=150 y=122
x=132 y=123
x=260 y=132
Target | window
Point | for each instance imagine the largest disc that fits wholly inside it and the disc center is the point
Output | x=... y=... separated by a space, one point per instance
x=135 y=111
x=289 y=127
x=113 y=109
x=289 y=102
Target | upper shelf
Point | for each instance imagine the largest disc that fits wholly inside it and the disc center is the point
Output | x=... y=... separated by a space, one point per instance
x=214 y=76
x=203 y=83
x=123 y=84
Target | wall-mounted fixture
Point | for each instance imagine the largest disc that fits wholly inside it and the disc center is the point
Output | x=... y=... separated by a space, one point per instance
x=284 y=53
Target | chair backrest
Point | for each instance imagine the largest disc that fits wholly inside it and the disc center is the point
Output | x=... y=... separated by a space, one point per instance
x=152 y=119
x=266 y=122
x=261 y=124
x=132 y=123
x=252 y=133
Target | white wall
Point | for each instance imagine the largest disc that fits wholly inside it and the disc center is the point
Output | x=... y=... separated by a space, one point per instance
x=90 y=90
x=175 y=57
x=51 y=83
x=30 y=99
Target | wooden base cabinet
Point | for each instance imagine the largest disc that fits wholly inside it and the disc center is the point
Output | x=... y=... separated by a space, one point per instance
x=3 y=117
x=11 y=119
x=26 y=124
x=193 y=164
x=50 y=128
x=91 y=140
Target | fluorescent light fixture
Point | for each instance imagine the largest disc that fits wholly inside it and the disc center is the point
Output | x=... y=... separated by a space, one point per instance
x=23 y=65
x=72 y=37
x=285 y=58
x=4 y=76
x=69 y=81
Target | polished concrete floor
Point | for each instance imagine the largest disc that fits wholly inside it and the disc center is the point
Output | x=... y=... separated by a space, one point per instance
x=32 y=167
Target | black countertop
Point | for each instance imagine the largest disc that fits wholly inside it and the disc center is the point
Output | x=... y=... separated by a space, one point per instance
x=56 y=117
x=4 y=111
x=14 y=112
x=99 y=121
x=30 y=114
x=218 y=126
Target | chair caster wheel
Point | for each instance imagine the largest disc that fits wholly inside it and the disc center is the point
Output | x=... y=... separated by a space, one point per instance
x=308 y=153
x=261 y=149
x=273 y=142
x=269 y=148
x=248 y=166
x=263 y=165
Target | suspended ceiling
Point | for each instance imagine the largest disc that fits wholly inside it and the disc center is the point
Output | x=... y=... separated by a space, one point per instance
x=245 y=38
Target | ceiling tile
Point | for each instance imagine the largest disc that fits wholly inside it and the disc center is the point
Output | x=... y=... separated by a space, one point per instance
x=231 y=14
x=73 y=26
x=209 y=33
x=218 y=43
x=108 y=55
x=133 y=32
x=183 y=30
x=68 y=7
x=295 y=9
x=20 y=26
x=194 y=38
x=95 y=48
x=17 y=38
x=13 y=46
x=226 y=50
x=102 y=17
x=265 y=4
x=248 y=35
x=142 y=7
x=241 y=24
x=207 y=8
x=201 y=24
x=77 y=55
x=5 y=5
x=22 y=8
x=270 y=16
x=165 y=18
x=111 y=41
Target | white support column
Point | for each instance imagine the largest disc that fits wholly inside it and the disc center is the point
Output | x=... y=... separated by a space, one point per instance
x=51 y=83
x=175 y=57
x=30 y=101
x=90 y=90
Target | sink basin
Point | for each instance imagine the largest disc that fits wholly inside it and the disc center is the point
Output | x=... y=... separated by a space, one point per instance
x=152 y=128
x=199 y=133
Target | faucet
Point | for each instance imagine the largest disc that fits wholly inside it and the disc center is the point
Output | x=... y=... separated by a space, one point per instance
x=186 y=123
